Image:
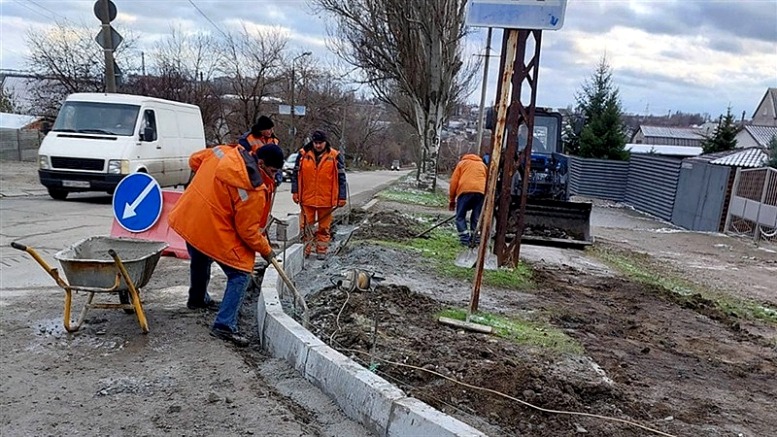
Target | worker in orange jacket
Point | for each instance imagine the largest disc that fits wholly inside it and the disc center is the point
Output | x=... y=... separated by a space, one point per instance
x=221 y=216
x=318 y=185
x=261 y=133
x=466 y=193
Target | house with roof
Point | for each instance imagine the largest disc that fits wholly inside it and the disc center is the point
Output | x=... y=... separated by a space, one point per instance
x=755 y=136
x=766 y=112
x=667 y=136
x=764 y=124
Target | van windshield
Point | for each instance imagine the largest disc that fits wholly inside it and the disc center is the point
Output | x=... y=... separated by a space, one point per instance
x=97 y=118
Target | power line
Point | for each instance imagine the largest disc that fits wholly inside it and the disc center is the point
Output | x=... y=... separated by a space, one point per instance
x=209 y=20
x=43 y=7
x=35 y=11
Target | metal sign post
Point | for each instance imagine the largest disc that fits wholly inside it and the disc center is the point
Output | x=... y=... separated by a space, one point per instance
x=493 y=170
x=530 y=16
x=108 y=39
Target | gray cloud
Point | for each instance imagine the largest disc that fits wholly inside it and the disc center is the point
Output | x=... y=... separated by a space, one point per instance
x=725 y=26
x=741 y=18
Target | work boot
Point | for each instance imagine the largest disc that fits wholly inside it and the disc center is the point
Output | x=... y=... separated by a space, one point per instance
x=232 y=337
x=211 y=305
x=320 y=256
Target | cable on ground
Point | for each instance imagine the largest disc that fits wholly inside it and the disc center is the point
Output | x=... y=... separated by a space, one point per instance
x=527 y=404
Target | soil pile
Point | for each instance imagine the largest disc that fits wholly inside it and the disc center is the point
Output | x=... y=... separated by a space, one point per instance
x=394 y=324
x=670 y=364
x=387 y=226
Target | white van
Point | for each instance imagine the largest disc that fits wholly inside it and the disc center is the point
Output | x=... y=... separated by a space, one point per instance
x=98 y=139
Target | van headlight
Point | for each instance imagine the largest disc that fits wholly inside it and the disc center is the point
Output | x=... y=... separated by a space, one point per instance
x=43 y=162
x=118 y=166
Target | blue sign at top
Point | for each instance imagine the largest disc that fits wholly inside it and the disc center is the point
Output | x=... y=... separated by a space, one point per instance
x=517 y=14
x=137 y=202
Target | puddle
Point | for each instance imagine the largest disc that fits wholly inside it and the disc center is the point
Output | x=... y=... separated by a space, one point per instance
x=51 y=333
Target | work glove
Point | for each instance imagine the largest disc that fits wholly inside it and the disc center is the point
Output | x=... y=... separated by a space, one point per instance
x=270 y=255
x=452 y=205
x=295 y=197
x=341 y=203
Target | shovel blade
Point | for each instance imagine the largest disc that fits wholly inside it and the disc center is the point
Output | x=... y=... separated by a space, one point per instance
x=467 y=259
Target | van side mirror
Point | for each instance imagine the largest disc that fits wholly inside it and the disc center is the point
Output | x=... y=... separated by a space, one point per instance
x=45 y=127
x=148 y=134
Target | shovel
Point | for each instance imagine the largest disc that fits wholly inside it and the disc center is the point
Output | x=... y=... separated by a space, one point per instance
x=469 y=257
x=297 y=297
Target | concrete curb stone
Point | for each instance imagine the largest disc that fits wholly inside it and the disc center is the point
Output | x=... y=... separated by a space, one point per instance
x=363 y=396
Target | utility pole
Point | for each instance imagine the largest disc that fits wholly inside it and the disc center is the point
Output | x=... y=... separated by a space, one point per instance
x=293 y=109
x=483 y=91
x=110 y=74
x=342 y=129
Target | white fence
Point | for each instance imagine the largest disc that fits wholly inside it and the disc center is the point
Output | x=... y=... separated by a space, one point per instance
x=753 y=207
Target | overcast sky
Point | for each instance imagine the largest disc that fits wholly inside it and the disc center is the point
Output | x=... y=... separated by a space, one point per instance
x=682 y=55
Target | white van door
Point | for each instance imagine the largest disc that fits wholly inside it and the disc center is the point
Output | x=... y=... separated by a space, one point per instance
x=168 y=131
x=149 y=153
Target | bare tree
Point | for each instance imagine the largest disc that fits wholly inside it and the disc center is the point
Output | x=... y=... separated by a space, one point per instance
x=184 y=66
x=253 y=63
x=68 y=60
x=409 y=52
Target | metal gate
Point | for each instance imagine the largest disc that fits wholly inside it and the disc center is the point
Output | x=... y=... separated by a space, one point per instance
x=753 y=207
x=598 y=178
x=701 y=196
x=653 y=183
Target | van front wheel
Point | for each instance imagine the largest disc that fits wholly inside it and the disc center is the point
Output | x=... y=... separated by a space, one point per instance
x=57 y=194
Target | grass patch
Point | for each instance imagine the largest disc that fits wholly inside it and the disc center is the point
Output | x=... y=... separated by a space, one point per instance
x=442 y=247
x=642 y=268
x=523 y=332
x=414 y=197
x=406 y=191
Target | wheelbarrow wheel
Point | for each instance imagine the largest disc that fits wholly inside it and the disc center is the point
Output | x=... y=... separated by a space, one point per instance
x=124 y=297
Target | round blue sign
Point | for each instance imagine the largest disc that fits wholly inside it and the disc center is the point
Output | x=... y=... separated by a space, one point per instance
x=137 y=202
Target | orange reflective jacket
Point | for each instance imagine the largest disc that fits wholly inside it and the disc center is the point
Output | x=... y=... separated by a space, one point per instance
x=257 y=142
x=224 y=210
x=320 y=183
x=469 y=176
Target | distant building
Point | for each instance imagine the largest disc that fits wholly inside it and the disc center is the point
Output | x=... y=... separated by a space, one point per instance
x=667 y=136
x=766 y=112
x=755 y=136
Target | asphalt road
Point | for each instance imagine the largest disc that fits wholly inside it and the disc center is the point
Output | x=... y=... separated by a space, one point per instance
x=49 y=226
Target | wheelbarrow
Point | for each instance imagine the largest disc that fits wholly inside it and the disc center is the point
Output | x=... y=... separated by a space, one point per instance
x=93 y=265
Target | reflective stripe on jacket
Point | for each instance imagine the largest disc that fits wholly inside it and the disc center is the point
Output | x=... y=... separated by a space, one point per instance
x=469 y=176
x=320 y=183
x=224 y=209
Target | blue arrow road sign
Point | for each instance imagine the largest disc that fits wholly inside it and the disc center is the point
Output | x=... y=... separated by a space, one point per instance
x=137 y=202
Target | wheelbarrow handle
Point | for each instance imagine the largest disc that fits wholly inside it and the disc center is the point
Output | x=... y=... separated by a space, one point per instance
x=18 y=246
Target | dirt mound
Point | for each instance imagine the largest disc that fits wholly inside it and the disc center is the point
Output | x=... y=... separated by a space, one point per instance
x=398 y=325
x=668 y=363
x=387 y=226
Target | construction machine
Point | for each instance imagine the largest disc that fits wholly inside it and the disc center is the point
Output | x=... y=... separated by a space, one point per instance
x=550 y=218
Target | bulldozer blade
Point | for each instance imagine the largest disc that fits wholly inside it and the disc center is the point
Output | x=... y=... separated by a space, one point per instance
x=558 y=223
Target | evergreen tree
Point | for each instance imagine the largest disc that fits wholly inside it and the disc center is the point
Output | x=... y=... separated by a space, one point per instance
x=773 y=151
x=602 y=135
x=570 y=133
x=7 y=103
x=724 y=137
